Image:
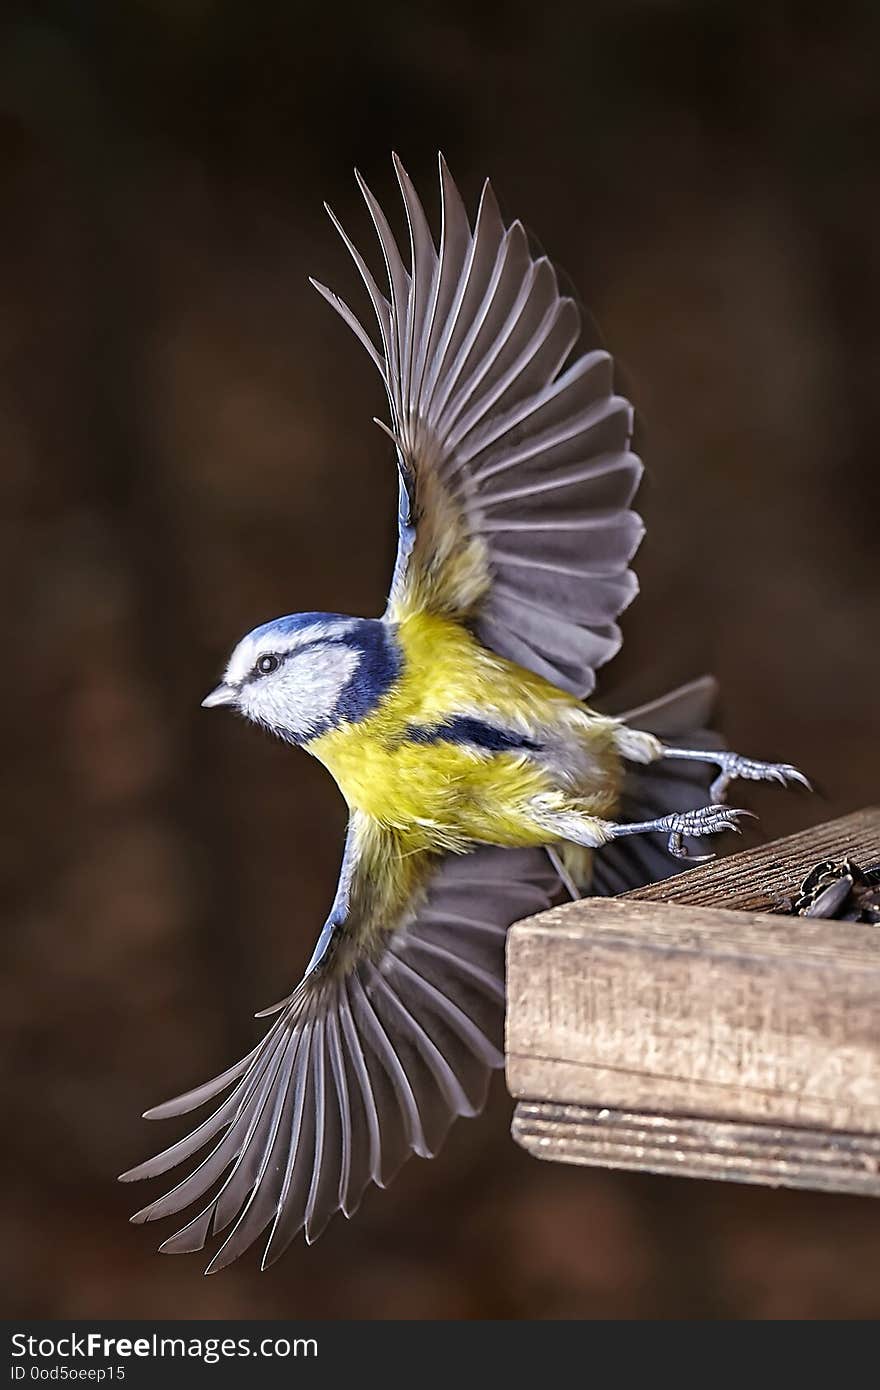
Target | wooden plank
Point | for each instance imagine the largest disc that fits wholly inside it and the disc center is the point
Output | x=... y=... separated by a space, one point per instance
x=668 y=1009
x=697 y=1148
x=755 y=879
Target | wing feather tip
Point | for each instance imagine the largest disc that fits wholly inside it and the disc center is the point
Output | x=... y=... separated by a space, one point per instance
x=214 y=1265
x=133 y=1174
x=271 y=1257
x=142 y=1217
x=185 y=1242
x=315 y=1230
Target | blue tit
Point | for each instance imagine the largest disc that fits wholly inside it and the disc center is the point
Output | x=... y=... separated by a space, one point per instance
x=479 y=782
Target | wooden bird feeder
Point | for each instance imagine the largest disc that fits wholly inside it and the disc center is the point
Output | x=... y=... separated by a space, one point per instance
x=683 y=1029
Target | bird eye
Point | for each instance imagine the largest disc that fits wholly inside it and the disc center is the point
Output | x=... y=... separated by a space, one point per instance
x=268 y=663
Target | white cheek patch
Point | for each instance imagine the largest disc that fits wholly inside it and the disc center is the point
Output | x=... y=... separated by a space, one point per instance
x=304 y=694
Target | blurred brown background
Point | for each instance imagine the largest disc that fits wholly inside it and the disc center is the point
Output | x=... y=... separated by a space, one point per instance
x=187 y=450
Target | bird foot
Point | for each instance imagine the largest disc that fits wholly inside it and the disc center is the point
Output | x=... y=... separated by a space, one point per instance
x=709 y=820
x=733 y=766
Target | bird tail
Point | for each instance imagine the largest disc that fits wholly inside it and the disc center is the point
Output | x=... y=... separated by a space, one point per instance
x=655 y=789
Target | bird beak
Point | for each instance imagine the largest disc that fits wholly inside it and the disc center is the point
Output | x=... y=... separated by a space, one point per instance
x=223 y=695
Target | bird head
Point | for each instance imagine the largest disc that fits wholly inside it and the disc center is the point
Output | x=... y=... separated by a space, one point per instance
x=302 y=675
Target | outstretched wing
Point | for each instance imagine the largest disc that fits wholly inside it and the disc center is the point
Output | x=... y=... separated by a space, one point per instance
x=368 y=1062
x=516 y=474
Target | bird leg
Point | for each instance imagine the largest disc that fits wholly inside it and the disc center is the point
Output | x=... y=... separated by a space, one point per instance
x=733 y=765
x=709 y=820
x=564 y=876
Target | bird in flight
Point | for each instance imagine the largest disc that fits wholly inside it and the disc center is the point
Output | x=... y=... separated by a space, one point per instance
x=479 y=783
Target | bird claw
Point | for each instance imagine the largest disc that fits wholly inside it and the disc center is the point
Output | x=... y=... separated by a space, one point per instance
x=734 y=766
x=709 y=820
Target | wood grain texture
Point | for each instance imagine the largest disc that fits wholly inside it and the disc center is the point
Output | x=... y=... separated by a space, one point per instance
x=671 y=1009
x=698 y=1148
x=754 y=880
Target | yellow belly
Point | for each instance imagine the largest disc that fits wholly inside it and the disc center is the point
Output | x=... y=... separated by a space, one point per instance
x=445 y=795
x=440 y=795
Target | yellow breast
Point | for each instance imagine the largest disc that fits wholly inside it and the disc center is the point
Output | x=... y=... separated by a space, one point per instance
x=442 y=794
